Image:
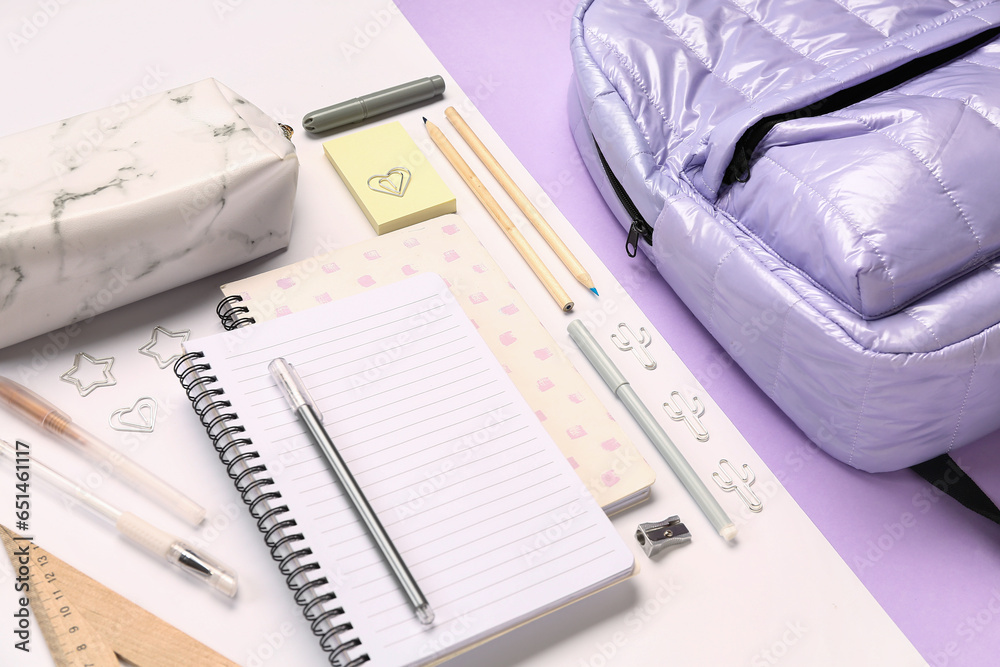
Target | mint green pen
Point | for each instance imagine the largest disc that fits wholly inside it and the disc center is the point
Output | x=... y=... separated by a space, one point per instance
x=623 y=390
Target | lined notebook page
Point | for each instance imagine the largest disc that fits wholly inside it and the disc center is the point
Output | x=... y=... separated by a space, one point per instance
x=491 y=520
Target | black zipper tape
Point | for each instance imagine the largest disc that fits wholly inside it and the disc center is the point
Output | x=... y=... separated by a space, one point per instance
x=739 y=167
x=639 y=225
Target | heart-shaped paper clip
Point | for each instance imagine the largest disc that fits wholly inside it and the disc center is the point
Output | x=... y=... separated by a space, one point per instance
x=393 y=182
x=140 y=418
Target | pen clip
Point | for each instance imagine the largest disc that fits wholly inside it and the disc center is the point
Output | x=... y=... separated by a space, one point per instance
x=291 y=386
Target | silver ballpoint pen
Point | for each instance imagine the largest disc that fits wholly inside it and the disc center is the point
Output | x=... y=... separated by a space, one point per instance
x=303 y=406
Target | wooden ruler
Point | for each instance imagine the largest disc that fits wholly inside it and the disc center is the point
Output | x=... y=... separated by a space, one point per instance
x=86 y=624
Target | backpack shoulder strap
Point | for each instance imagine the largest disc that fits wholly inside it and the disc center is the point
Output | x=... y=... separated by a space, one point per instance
x=946 y=475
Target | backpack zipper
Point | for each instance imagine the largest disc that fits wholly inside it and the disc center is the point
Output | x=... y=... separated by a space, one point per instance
x=639 y=225
x=738 y=170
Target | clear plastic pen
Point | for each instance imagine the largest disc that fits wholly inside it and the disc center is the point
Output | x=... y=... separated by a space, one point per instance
x=37 y=410
x=149 y=537
x=302 y=405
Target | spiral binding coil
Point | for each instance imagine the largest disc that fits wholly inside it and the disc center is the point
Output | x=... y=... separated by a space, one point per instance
x=251 y=480
x=231 y=315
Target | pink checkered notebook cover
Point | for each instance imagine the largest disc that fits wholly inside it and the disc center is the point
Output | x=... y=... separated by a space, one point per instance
x=593 y=443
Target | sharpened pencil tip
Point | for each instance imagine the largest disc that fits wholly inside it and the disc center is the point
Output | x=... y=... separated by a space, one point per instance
x=594 y=290
x=425 y=119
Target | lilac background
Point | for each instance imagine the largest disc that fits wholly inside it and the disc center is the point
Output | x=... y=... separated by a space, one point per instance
x=933 y=565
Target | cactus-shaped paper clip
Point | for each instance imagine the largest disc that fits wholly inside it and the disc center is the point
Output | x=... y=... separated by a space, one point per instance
x=678 y=408
x=626 y=340
x=740 y=481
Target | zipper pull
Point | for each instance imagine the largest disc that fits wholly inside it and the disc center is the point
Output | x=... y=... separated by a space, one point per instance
x=638 y=228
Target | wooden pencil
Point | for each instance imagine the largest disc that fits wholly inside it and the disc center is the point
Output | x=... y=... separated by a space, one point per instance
x=502 y=219
x=540 y=223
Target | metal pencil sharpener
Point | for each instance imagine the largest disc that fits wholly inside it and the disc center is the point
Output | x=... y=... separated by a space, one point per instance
x=659 y=535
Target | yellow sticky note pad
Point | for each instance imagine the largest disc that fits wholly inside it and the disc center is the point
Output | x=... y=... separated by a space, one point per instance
x=389 y=177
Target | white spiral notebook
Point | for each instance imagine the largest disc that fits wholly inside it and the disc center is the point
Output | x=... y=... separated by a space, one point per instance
x=490 y=518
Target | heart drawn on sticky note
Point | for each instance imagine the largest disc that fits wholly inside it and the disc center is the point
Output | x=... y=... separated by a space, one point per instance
x=140 y=418
x=393 y=182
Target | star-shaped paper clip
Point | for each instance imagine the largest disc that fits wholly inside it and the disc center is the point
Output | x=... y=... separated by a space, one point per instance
x=107 y=381
x=162 y=361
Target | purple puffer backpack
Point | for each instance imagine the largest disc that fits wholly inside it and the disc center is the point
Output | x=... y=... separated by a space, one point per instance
x=830 y=167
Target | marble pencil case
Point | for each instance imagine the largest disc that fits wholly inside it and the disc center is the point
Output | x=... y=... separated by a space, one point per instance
x=121 y=203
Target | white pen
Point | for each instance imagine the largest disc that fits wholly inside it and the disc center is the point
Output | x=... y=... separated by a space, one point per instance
x=36 y=410
x=305 y=409
x=157 y=542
